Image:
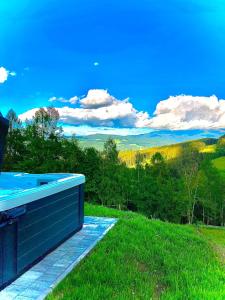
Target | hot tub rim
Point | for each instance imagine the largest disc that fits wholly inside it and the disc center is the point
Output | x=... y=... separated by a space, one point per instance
x=33 y=194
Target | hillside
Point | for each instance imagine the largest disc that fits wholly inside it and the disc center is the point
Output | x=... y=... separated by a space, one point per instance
x=206 y=145
x=148 y=259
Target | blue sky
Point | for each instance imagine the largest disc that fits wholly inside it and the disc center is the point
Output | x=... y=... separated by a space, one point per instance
x=143 y=50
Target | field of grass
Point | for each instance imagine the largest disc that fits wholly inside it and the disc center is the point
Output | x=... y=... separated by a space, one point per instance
x=146 y=259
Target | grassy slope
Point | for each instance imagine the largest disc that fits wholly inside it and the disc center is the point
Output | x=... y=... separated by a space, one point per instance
x=216 y=236
x=169 y=152
x=145 y=259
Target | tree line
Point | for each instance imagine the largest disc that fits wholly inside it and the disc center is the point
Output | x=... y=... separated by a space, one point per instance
x=186 y=189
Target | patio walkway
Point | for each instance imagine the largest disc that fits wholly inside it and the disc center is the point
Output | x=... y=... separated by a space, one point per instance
x=39 y=281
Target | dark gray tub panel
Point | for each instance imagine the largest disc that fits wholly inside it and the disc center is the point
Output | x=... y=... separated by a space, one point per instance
x=8 y=245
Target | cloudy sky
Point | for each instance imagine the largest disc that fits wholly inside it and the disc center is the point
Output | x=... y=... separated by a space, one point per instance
x=134 y=65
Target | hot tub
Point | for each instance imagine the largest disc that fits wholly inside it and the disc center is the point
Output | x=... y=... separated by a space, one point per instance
x=37 y=213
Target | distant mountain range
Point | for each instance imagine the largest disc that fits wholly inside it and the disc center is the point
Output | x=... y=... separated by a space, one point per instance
x=152 y=139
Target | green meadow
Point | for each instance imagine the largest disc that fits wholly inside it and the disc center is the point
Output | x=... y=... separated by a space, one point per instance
x=148 y=259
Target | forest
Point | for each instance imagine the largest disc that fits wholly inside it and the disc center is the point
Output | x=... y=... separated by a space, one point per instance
x=183 y=189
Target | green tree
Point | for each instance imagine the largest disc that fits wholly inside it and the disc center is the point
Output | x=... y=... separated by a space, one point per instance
x=188 y=165
x=43 y=142
x=211 y=194
x=110 y=152
x=15 y=147
x=91 y=167
x=110 y=184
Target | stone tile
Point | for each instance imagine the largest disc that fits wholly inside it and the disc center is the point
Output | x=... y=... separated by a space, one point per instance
x=30 y=293
x=31 y=275
x=23 y=282
x=48 y=278
x=23 y=298
x=13 y=288
x=40 y=268
x=8 y=295
x=54 y=271
x=39 y=285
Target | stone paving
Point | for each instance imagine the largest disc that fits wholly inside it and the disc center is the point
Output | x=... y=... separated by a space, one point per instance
x=39 y=281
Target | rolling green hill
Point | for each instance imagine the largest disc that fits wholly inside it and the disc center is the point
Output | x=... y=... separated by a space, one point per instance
x=148 y=259
x=169 y=152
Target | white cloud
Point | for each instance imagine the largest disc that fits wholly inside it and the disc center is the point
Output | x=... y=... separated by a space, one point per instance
x=52 y=99
x=4 y=74
x=96 y=63
x=72 y=100
x=119 y=114
x=99 y=108
x=12 y=73
x=28 y=115
x=189 y=112
x=97 y=98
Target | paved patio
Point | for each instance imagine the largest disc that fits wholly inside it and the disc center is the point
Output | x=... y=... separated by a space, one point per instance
x=39 y=281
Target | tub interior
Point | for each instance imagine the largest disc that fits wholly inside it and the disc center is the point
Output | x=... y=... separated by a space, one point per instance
x=11 y=183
